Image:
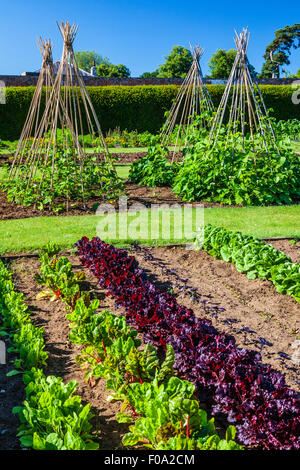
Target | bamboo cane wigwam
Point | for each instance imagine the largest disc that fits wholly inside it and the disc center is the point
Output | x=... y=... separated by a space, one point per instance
x=68 y=116
x=193 y=98
x=243 y=101
x=30 y=128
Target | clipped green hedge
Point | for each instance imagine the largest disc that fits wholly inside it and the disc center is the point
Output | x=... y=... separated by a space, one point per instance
x=134 y=107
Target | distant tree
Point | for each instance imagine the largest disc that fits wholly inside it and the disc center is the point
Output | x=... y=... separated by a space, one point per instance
x=221 y=63
x=278 y=51
x=149 y=74
x=111 y=70
x=289 y=75
x=177 y=63
x=85 y=59
x=270 y=67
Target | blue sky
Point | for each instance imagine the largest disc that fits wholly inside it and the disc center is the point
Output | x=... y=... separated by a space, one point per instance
x=140 y=34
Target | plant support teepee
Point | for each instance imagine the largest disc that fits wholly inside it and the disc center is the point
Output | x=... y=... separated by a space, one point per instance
x=30 y=129
x=57 y=153
x=193 y=98
x=242 y=104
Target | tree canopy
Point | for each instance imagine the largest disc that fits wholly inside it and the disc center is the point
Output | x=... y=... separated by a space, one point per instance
x=177 y=63
x=221 y=63
x=149 y=74
x=278 y=51
x=85 y=59
x=111 y=70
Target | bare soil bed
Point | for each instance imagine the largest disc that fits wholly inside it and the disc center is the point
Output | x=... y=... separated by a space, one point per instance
x=134 y=193
x=251 y=304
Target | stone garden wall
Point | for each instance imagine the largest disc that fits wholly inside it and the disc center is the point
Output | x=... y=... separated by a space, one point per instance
x=30 y=79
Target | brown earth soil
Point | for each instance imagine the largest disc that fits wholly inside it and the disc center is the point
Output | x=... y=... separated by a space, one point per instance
x=251 y=304
x=134 y=193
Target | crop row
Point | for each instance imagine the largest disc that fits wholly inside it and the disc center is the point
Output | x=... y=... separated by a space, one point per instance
x=253 y=257
x=239 y=387
x=161 y=407
x=51 y=417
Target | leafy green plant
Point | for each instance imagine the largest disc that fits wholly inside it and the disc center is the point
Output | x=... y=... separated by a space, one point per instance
x=121 y=363
x=27 y=340
x=52 y=417
x=289 y=128
x=56 y=274
x=70 y=183
x=232 y=173
x=286 y=279
x=137 y=377
x=254 y=257
x=125 y=138
x=170 y=418
x=91 y=328
x=154 y=169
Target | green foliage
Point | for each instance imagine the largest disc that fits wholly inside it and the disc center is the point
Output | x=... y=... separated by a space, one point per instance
x=128 y=139
x=162 y=403
x=52 y=417
x=111 y=70
x=116 y=356
x=254 y=257
x=61 y=282
x=241 y=177
x=177 y=63
x=149 y=74
x=286 y=279
x=221 y=62
x=280 y=48
x=95 y=178
x=171 y=419
x=86 y=59
x=89 y=327
x=7 y=146
x=279 y=98
x=27 y=339
x=154 y=169
x=140 y=108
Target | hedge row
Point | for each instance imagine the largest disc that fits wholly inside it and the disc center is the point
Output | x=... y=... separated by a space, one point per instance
x=134 y=107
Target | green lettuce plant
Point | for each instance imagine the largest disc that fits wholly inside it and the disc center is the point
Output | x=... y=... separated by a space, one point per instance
x=253 y=257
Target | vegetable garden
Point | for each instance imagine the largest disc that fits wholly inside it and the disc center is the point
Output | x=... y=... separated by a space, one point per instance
x=134 y=346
